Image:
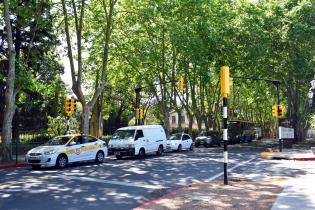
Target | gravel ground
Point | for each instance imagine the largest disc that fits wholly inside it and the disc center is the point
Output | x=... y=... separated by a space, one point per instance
x=238 y=194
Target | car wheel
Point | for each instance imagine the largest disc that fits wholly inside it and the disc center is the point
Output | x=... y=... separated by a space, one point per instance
x=36 y=166
x=62 y=161
x=119 y=157
x=141 y=154
x=160 y=150
x=191 y=147
x=179 y=149
x=196 y=145
x=99 y=157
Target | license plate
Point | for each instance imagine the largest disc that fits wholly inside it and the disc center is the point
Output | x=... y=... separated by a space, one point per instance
x=33 y=158
x=116 y=153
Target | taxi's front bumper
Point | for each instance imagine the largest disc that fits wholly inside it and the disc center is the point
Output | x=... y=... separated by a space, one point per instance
x=41 y=159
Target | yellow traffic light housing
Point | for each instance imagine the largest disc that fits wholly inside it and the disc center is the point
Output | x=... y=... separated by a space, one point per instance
x=139 y=114
x=274 y=111
x=67 y=106
x=281 y=111
x=181 y=84
x=278 y=111
x=73 y=105
x=225 y=81
x=70 y=106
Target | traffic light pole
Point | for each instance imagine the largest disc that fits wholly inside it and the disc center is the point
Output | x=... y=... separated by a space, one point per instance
x=68 y=124
x=137 y=90
x=225 y=138
x=277 y=84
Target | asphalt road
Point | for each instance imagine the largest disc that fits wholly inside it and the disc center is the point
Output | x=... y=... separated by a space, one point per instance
x=118 y=184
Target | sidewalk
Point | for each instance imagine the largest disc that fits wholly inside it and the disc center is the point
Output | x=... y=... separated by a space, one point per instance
x=278 y=182
x=240 y=194
x=13 y=163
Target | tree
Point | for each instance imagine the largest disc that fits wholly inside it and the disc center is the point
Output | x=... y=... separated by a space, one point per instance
x=10 y=93
x=78 y=10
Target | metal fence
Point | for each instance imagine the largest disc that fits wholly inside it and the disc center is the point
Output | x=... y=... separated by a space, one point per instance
x=17 y=151
x=18 y=148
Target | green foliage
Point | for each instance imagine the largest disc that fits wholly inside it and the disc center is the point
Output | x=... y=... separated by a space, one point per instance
x=58 y=125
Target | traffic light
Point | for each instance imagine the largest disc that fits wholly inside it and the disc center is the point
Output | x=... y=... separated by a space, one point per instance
x=225 y=80
x=181 y=84
x=274 y=111
x=73 y=105
x=67 y=106
x=139 y=114
x=281 y=111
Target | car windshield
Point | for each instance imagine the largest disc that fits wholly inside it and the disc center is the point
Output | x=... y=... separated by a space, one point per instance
x=59 y=140
x=203 y=133
x=209 y=133
x=176 y=136
x=123 y=134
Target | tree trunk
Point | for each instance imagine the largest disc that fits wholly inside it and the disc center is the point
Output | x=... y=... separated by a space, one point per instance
x=85 y=119
x=9 y=98
x=190 y=124
x=166 y=119
x=179 y=113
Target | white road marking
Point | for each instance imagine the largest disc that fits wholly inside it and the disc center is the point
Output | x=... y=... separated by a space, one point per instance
x=229 y=170
x=129 y=184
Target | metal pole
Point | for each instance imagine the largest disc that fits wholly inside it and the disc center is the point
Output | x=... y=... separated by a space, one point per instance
x=225 y=138
x=68 y=123
x=137 y=90
x=16 y=151
x=279 y=128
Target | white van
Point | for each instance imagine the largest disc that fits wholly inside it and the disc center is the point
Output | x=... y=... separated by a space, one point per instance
x=138 y=140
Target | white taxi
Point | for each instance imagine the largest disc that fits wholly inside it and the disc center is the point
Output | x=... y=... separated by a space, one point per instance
x=179 y=141
x=61 y=150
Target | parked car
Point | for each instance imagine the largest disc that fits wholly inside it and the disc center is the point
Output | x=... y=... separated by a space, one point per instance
x=179 y=141
x=138 y=141
x=61 y=150
x=209 y=138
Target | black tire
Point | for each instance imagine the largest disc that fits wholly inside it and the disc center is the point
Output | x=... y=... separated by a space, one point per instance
x=179 y=149
x=191 y=147
x=36 y=166
x=196 y=145
x=119 y=157
x=160 y=150
x=99 y=158
x=61 y=161
x=141 y=154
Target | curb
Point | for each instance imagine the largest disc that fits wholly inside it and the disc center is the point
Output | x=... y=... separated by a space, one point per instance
x=303 y=159
x=6 y=166
x=273 y=156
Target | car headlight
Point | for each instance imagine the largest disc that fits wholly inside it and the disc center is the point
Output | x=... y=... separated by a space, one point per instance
x=49 y=152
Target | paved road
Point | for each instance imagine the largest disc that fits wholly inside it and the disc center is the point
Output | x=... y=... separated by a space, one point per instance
x=117 y=184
